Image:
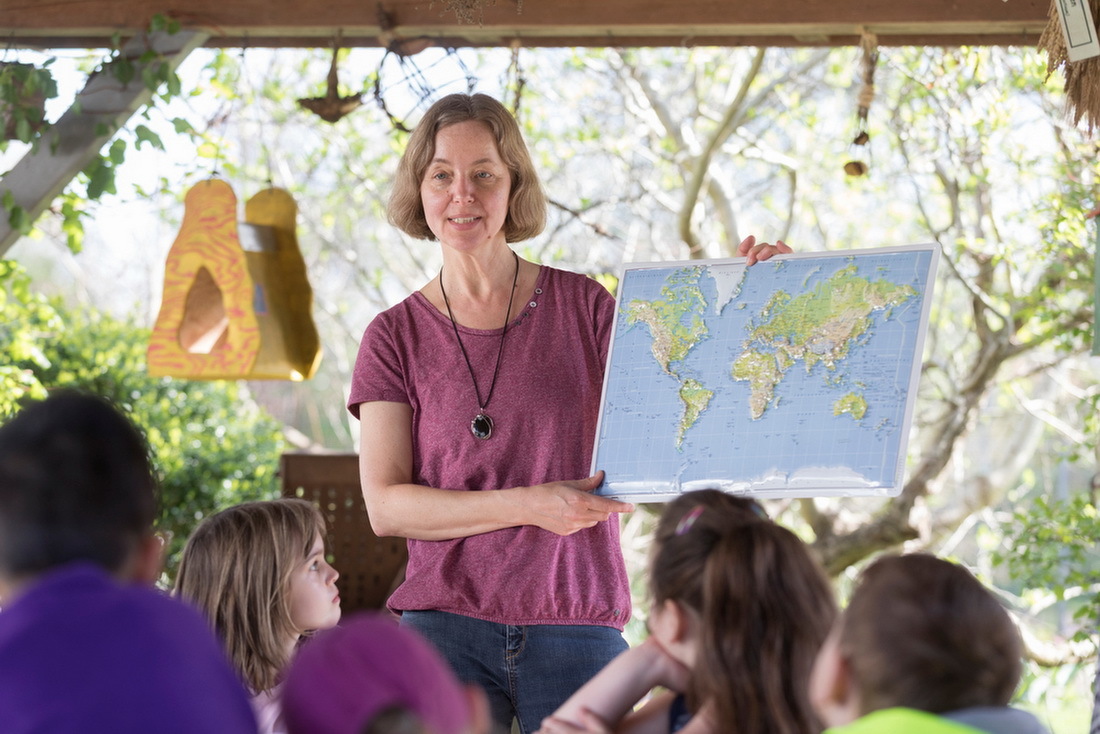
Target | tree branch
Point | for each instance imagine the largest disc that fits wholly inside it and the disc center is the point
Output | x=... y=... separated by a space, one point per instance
x=734 y=112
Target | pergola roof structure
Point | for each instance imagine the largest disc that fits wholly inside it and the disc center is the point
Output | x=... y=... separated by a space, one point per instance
x=454 y=23
x=401 y=25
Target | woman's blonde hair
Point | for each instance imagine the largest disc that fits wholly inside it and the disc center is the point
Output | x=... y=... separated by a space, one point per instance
x=527 y=202
x=236 y=567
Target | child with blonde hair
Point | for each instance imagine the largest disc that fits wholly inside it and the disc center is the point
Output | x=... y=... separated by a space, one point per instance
x=258 y=572
x=739 y=608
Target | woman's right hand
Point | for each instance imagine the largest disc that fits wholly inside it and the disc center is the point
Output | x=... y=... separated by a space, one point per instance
x=398 y=507
x=564 y=508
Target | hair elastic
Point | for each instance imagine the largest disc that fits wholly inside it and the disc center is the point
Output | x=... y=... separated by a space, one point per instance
x=758 y=510
x=688 y=520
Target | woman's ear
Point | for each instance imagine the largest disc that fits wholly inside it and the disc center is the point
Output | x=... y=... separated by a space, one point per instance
x=833 y=691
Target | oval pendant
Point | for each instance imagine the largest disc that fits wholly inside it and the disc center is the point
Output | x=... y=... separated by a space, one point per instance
x=481 y=426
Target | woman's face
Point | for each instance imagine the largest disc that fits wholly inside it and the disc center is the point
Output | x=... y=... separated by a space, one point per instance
x=466 y=187
x=314 y=600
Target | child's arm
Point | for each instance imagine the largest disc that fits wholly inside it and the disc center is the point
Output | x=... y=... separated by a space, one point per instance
x=650 y=719
x=613 y=692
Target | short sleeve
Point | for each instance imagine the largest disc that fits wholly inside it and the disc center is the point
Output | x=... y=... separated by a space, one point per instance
x=379 y=367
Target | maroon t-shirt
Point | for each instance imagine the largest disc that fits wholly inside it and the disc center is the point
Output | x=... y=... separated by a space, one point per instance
x=544 y=408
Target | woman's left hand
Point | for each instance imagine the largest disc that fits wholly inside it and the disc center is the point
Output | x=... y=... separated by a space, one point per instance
x=753 y=252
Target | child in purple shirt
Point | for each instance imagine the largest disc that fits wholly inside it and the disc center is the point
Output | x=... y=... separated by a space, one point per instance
x=86 y=643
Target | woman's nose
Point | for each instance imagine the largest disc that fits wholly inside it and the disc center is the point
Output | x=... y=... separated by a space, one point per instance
x=462 y=190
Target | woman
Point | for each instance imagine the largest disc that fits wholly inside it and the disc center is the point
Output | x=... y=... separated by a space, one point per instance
x=489 y=378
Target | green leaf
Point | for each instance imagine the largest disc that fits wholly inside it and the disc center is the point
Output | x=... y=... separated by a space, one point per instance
x=182 y=126
x=101 y=179
x=18 y=219
x=23 y=131
x=117 y=152
x=123 y=70
x=145 y=135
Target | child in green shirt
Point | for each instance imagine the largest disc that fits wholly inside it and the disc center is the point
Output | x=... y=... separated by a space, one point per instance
x=922 y=648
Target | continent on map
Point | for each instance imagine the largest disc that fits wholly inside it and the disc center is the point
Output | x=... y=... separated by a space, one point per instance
x=817 y=327
x=852 y=404
x=675 y=321
x=695 y=398
x=676 y=326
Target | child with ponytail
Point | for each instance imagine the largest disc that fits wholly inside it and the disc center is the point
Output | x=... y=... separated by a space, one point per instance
x=739 y=608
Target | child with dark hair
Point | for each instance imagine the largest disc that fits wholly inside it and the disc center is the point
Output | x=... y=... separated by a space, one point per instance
x=86 y=645
x=923 y=647
x=739 y=610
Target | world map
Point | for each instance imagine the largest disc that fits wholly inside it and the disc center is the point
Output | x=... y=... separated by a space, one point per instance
x=794 y=377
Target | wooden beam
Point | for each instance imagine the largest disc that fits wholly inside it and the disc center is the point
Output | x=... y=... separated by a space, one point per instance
x=243 y=23
x=69 y=145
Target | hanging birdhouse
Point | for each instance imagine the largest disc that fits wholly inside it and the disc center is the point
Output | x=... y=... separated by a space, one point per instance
x=237 y=303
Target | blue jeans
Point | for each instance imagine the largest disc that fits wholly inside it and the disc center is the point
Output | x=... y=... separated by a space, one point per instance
x=526 y=671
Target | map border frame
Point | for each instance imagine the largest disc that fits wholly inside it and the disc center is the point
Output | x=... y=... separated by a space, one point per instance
x=891 y=490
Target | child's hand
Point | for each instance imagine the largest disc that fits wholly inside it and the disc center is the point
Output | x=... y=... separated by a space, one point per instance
x=666 y=669
x=590 y=724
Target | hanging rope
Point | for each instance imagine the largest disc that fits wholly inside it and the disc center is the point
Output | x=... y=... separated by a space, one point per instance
x=519 y=81
x=248 y=93
x=868 y=43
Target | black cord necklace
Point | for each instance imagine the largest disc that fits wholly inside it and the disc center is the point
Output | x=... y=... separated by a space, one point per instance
x=482 y=425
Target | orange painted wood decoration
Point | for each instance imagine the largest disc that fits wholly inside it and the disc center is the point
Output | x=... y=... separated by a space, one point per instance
x=289 y=344
x=231 y=311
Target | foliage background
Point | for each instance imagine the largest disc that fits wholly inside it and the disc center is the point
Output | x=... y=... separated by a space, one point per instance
x=211 y=446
